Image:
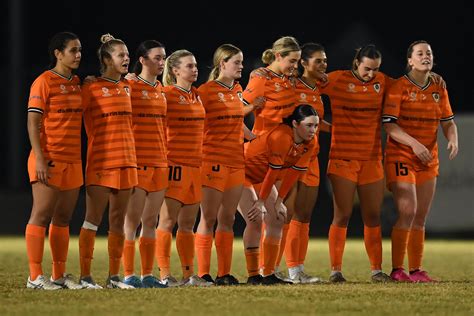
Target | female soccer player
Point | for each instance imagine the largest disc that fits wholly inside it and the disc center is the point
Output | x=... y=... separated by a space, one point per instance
x=282 y=153
x=413 y=110
x=149 y=112
x=185 y=129
x=111 y=170
x=54 y=164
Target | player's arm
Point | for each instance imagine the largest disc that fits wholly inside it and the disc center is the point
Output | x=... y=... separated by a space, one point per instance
x=450 y=131
x=34 y=127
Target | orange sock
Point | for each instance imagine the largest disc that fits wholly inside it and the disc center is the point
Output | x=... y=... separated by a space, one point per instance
x=281 y=250
x=115 y=246
x=251 y=258
x=337 y=241
x=128 y=258
x=224 y=248
x=147 y=253
x=34 y=236
x=399 y=247
x=416 y=243
x=203 y=245
x=86 y=250
x=373 y=246
x=271 y=246
x=304 y=241
x=59 y=244
x=260 y=258
x=292 y=247
x=163 y=251
x=185 y=246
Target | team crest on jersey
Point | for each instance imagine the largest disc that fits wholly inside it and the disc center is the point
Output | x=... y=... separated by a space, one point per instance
x=351 y=87
x=145 y=95
x=63 y=89
x=302 y=97
x=127 y=90
x=221 y=97
x=412 y=96
x=241 y=98
x=277 y=87
x=436 y=96
x=377 y=87
x=182 y=100
x=105 y=92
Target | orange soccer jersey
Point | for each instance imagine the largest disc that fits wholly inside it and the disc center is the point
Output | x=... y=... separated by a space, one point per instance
x=185 y=126
x=108 y=122
x=418 y=111
x=223 y=130
x=356 y=115
x=58 y=99
x=149 y=114
x=277 y=150
x=280 y=99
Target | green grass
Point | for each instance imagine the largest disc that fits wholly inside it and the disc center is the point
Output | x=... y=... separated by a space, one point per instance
x=452 y=262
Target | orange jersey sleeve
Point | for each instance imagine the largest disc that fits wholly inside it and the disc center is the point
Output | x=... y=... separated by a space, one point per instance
x=418 y=111
x=59 y=100
x=280 y=98
x=108 y=122
x=223 y=131
x=185 y=126
x=149 y=115
x=356 y=116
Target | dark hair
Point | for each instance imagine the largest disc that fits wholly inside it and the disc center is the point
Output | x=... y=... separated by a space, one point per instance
x=410 y=51
x=105 y=50
x=368 y=51
x=142 y=51
x=307 y=50
x=59 y=41
x=301 y=112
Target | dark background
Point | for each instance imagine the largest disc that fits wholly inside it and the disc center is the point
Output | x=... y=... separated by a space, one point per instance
x=201 y=27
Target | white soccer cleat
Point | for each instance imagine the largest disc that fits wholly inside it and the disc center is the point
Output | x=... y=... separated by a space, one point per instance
x=195 y=280
x=114 y=282
x=302 y=278
x=88 y=283
x=67 y=282
x=282 y=276
x=41 y=283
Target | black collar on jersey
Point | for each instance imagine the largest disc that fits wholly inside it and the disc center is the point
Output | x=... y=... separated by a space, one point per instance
x=58 y=74
x=275 y=74
x=148 y=82
x=110 y=80
x=359 y=78
x=307 y=85
x=421 y=87
x=224 y=85
x=182 y=89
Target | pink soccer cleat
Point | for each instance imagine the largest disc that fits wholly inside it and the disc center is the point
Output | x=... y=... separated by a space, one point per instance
x=421 y=277
x=399 y=275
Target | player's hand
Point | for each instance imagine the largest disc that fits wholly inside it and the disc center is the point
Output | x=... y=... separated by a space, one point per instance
x=257 y=211
x=280 y=210
x=453 y=149
x=437 y=79
x=131 y=76
x=422 y=152
x=90 y=79
x=42 y=170
x=259 y=103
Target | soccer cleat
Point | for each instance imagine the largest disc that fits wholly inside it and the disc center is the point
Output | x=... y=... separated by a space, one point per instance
x=67 y=282
x=381 y=277
x=208 y=278
x=400 y=275
x=88 y=283
x=170 y=281
x=421 y=277
x=151 y=282
x=337 y=277
x=114 y=282
x=272 y=279
x=194 y=280
x=133 y=281
x=303 y=278
x=41 y=283
x=227 y=280
x=282 y=276
x=255 y=280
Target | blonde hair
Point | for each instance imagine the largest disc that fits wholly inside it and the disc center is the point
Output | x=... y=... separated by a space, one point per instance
x=283 y=46
x=173 y=61
x=105 y=50
x=222 y=53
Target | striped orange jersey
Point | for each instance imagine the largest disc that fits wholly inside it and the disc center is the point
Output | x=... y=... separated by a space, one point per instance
x=149 y=115
x=280 y=97
x=108 y=122
x=356 y=115
x=223 y=129
x=275 y=149
x=418 y=111
x=307 y=94
x=58 y=99
x=185 y=126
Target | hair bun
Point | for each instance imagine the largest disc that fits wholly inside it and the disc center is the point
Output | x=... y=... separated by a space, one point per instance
x=106 y=37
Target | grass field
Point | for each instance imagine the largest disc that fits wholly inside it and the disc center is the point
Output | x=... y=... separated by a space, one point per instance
x=452 y=262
